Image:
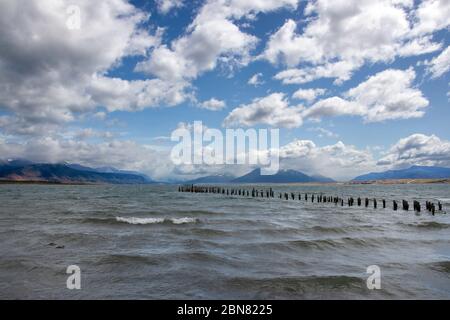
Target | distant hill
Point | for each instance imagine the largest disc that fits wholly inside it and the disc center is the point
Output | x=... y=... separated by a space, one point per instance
x=283 y=176
x=107 y=170
x=320 y=178
x=15 y=162
x=64 y=173
x=220 y=178
x=415 y=172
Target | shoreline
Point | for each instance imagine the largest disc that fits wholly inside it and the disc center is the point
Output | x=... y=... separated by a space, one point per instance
x=374 y=182
x=31 y=182
x=402 y=181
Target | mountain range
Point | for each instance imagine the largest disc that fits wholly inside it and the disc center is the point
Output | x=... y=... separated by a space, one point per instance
x=414 y=172
x=23 y=170
x=283 y=176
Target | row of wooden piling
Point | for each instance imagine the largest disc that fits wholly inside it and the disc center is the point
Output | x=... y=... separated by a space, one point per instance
x=319 y=198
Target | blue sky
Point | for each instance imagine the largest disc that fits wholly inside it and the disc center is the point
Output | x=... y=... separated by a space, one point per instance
x=108 y=92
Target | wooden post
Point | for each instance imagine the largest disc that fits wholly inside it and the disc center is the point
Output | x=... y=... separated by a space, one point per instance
x=417 y=206
x=405 y=205
x=395 y=205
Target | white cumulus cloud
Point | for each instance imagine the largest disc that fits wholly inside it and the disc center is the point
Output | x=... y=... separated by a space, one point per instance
x=213 y=37
x=418 y=149
x=213 y=104
x=440 y=64
x=164 y=6
x=256 y=80
x=308 y=94
x=341 y=36
x=384 y=96
x=338 y=161
x=273 y=110
x=50 y=72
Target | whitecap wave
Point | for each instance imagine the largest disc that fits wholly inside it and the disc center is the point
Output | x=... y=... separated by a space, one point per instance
x=183 y=220
x=136 y=220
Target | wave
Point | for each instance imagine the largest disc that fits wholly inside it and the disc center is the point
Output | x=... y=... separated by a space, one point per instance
x=128 y=258
x=442 y=266
x=323 y=229
x=428 y=225
x=335 y=243
x=299 y=287
x=189 y=257
x=143 y=221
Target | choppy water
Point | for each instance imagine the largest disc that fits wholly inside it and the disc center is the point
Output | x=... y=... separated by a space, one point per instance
x=151 y=242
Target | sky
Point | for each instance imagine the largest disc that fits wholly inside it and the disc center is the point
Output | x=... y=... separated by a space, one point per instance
x=354 y=86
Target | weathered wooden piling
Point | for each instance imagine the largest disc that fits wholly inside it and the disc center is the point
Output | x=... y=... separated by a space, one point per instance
x=319 y=197
x=416 y=205
x=405 y=205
